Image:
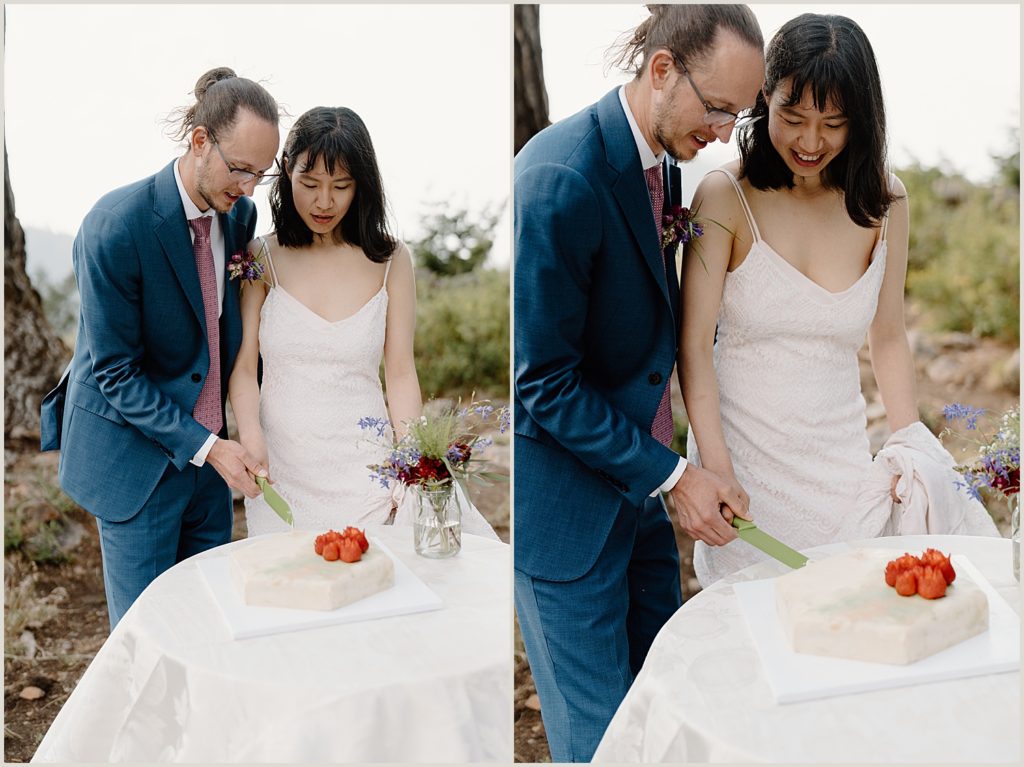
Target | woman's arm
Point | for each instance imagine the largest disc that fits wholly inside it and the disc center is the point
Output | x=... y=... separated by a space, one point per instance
x=705 y=263
x=891 y=360
x=403 y=385
x=243 y=390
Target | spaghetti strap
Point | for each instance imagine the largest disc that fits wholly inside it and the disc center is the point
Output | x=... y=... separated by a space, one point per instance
x=885 y=218
x=743 y=201
x=270 y=262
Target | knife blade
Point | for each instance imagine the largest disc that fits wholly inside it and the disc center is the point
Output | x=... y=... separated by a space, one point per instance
x=750 y=533
x=275 y=501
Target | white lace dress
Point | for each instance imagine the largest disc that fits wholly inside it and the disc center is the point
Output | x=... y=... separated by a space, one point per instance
x=792 y=410
x=319 y=379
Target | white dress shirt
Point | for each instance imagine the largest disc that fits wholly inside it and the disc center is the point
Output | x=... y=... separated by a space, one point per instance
x=648 y=159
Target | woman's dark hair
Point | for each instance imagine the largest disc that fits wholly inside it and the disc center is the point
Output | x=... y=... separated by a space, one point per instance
x=689 y=31
x=831 y=57
x=220 y=93
x=337 y=135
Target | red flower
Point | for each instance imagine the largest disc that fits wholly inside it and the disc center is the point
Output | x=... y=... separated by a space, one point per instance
x=1008 y=485
x=427 y=469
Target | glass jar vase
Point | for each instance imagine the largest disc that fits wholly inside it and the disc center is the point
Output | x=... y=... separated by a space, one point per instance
x=437 y=528
x=1014 y=501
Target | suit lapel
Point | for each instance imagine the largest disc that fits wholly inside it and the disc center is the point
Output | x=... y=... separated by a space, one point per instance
x=673 y=196
x=172 y=231
x=630 y=188
x=234 y=242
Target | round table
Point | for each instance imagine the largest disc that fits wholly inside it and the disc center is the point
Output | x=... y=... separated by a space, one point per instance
x=170 y=684
x=702 y=695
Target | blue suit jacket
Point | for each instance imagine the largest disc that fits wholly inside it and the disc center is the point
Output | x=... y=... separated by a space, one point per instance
x=122 y=413
x=595 y=339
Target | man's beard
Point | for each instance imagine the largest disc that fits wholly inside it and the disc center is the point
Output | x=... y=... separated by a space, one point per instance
x=201 y=188
x=663 y=117
x=670 y=146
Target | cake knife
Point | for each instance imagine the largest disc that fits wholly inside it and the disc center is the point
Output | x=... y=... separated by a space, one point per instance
x=275 y=501
x=749 y=532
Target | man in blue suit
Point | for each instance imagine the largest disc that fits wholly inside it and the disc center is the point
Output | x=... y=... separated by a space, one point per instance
x=139 y=414
x=596 y=327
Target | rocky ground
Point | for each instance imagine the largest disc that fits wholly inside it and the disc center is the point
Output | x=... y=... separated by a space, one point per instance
x=951 y=367
x=55 y=610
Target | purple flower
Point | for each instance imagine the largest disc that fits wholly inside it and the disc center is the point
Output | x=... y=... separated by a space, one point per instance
x=971 y=484
x=458 y=453
x=956 y=411
x=380 y=425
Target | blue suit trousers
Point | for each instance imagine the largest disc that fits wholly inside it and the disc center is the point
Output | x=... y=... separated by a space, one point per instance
x=189 y=512
x=586 y=639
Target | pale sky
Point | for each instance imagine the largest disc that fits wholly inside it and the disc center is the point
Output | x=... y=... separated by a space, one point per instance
x=86 y=88
x=950 y=74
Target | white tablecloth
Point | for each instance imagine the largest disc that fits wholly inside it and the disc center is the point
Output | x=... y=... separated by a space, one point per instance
x=702 y=695
x=169 y=684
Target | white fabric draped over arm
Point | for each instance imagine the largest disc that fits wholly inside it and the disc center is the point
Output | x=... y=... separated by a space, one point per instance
x=931 y=501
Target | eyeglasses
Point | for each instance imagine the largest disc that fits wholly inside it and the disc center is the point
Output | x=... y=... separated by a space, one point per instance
x=715 y=117
x=238 y=174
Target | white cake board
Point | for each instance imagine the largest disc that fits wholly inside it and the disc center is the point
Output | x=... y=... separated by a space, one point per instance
x=795 y=677
x=408 y=595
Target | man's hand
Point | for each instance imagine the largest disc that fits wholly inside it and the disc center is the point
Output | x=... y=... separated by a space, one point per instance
x=705 y=504
x=234 y=463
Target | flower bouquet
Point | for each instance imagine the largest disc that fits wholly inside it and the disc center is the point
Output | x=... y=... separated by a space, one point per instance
x=997 y=467
x=439 y=452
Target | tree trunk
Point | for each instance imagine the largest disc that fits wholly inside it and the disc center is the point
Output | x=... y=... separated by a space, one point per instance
x=34 y=356
x=531 y=96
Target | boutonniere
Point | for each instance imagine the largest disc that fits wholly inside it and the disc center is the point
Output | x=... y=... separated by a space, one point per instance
x=680 y=226
x=246 y=265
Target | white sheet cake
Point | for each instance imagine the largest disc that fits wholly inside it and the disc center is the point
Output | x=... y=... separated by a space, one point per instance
x=283 y=570
x=842 y=607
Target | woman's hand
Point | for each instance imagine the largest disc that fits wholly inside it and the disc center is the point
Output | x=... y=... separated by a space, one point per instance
x=735 y=490
x=256 y=446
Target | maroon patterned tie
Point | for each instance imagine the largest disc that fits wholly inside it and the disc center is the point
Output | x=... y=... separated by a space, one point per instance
x=208 y=409
x=662 y=428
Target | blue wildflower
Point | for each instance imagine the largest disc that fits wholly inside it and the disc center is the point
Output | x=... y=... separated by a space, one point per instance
x=956 y=411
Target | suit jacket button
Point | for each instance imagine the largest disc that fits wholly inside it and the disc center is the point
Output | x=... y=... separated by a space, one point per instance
x=196 y=378
x=654 y=379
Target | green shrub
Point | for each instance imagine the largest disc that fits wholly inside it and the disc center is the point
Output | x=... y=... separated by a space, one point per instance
x=40 y=525
x=462 y=334
x=964 y=260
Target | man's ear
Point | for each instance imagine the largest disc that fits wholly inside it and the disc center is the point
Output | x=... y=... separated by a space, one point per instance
x=198 y=140
x=660 y=68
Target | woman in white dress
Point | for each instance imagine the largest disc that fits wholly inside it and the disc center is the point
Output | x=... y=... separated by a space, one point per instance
x=810 y=255
x=337 y=296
